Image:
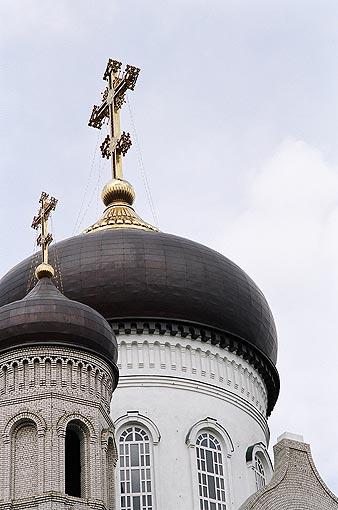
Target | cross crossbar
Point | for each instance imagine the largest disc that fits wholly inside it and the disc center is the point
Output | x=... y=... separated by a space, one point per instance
x=115 y=145
x=44 y=239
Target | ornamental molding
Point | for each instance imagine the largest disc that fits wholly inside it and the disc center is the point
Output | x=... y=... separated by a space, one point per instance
x=184 y=359
x=76 y=416
x=134 y=417
x=21 y=417
x=261 y=450
x=212 y=425
x=211 y=336
x=69 y=372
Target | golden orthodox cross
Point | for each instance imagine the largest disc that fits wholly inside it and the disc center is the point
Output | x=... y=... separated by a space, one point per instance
x=115 y=144
x=44 y=239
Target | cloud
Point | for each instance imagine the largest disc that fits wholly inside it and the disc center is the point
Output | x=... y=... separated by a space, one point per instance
x=290 y=212
x=285 y=237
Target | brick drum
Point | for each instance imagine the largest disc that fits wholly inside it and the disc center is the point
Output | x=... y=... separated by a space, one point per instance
x=42 y=390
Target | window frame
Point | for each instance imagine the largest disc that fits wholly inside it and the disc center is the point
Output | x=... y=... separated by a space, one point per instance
x=84 y=432
x=135 y=419
x=260 y=452
x=210 y=471
x=259 y=470
x=210 y=426
x=75 y=427
x=135 y=468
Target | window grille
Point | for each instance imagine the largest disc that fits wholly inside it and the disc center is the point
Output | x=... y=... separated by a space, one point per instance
x=135 y=469
x=259 y=473
x=211 y=483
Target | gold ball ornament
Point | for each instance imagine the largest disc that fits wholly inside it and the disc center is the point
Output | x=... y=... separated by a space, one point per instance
x=44 y=270
x=117 y=190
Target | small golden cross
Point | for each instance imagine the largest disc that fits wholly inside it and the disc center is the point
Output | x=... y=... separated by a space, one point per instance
x=115 y=145
x=44 y=239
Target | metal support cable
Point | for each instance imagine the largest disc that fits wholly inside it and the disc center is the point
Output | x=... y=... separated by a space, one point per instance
x=34 y=260
x=87 y=185
x=59 y=282
x=142 y=167
x=95 y=190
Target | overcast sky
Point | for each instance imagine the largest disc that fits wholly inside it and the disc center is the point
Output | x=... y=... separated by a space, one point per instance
x=236 y=114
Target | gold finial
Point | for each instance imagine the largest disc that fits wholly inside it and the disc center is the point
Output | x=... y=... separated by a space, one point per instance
x=118 y=194
x=115 y=145
x=44 y=239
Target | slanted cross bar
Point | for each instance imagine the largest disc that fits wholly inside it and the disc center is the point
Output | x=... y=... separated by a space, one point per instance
x=115 y=145
x=45 y=238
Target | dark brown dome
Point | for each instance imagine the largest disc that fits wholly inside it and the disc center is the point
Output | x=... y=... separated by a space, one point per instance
x=125 y=273
x=47 y=317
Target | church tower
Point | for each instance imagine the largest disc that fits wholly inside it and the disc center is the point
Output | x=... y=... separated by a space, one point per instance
x=197 y=346
x=57 y=375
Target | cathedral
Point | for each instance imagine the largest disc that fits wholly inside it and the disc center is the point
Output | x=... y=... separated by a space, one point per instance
x=138 y=368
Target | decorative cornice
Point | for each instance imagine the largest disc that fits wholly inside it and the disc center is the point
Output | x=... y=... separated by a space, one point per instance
x=127 y=326
x=33 y=371
x=201 y=363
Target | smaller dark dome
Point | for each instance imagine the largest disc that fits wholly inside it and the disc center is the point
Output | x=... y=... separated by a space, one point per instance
x=47 y=317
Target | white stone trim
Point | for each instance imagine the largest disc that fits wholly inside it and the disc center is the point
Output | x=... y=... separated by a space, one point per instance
x=212 y=425
x=135 y=417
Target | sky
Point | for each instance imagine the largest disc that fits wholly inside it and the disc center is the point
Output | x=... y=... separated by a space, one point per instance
x=235 y=113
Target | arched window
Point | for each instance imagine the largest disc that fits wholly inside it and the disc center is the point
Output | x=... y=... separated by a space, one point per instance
x=135 y=469
x=25 y=465
x=259 y=473
x=75 y=460
x=259 y=466
x=210 y=471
